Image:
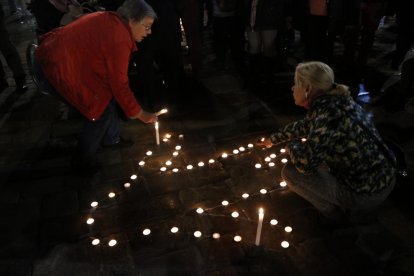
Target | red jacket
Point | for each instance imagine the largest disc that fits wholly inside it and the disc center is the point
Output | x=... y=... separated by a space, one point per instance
x=87 y=63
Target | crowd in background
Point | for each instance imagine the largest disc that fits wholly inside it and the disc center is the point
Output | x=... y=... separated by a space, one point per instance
x=253 y=37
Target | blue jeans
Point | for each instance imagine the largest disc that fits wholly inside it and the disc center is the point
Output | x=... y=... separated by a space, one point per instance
x=104 y=130
x=323 y=191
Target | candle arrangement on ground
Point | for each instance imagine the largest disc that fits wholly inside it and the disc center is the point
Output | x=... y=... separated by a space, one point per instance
x=168 y=161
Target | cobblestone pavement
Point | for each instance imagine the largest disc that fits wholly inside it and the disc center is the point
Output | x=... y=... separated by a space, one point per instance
x=176 y=222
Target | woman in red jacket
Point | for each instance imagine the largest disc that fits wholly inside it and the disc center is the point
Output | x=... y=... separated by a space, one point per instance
x=86 y=62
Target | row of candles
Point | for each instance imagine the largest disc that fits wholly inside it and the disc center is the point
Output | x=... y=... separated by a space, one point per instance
x=216 y=235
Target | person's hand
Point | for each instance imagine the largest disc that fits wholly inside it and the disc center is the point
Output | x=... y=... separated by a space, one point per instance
x=145 y=117
x=265 y=142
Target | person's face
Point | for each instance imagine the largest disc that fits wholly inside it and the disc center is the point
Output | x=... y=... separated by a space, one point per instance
x=299 y=93
x=141 y=28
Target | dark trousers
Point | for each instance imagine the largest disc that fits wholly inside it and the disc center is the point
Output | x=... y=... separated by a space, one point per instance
x=9 y=51
x=104 y=130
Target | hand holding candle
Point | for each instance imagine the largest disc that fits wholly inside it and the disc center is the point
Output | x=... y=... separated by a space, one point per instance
x=259 y=227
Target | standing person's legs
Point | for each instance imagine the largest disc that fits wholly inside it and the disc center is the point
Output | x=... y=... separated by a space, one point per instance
x=12 y=57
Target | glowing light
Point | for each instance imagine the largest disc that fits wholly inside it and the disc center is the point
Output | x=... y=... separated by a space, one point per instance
x=111 y=195
x=273 y=222
x=175 y=153
x=175 y=170
x=236 y=151
x=127 y=185
x=165 y=140
x=162 y=111
x=283 y=184
x=224 y=155
x=90 y=221
x=237 y=238
x=263 y=191
x=262 y=139
x=181 y=136
x=245 y=195
x=133 y=177
x=284 y=244
x=200 y=164
x=200 y=210
x=216 y=236
x=141 y=163
x=168 y=163
x=235 y=214
x=96 y=242
x=282 y=150
x=284 y=160
x=174 y=230
x=177 y=147
x=146 y=232
x=224 y=203
x=112 y=242
x=197 y=234
x=94 y=204
x=211 y=161
x=288 y=229
x=242 y=149
x=167 y=135
x=268 y=159
x=273 y=156
x=189 y=167
x=258 y=166
x=163 y=169
x=250 y=146
x=303 y=139
x=148 y=153
x=271 y=164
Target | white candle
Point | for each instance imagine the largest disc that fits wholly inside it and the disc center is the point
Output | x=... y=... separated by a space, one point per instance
x=157 y=133
x=259 y=226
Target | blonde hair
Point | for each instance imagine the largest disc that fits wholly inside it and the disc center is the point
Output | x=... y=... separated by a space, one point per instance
x=320 y=77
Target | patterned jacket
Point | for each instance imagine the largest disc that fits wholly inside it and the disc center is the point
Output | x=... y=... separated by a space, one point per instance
x=335 y=137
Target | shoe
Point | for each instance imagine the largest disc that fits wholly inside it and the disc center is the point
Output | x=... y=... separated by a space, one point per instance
x=122 y=143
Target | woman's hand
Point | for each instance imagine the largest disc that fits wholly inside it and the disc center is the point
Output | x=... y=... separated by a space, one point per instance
x=145 y=117
x=265 y=142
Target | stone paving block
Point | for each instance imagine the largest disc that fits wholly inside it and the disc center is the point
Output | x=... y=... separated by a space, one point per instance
x=16 y=266
x=60 y=204
x=174 y=263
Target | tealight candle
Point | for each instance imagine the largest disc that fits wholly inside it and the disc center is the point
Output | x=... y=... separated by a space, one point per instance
x=235 y=214
x=242 y=149
x=177 y=147
x=237 y=238
x=141 y=163
x=167 y=135
x=283 y=184
x=149 y=153
x=216 y=236
x=273 y=156
x=258 y=166
x=288 y=229
x=175 y=153
x=175 y=170
x=111 y=195
x=168 y=163
x=284 y=244
x=200 y=210
x=200 y=164
x=211 y=161
x=90 y=221
x=284 y=160
x=224 y=203
x=133 y=177
x=189 y=167
x=197 y=234
x=303 y=139
x=271 y=164
x=282 y=150
x=96 y=242
x=146 y=232
x=273 y=222
x=263 y=191
x=267 y=159
x=163 y=169
x=245 y=195
x=224 y=155
x=236 y=151
x=250 y=145
x=165 y=140
x=127 y=185
x=94 y=204
x=112 y=242
x=174 y=230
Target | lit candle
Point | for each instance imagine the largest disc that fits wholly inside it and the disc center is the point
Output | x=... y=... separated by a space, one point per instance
x=259 y=227
x=237 y=238
x=146 y=232
x=157 y=133
x=162 y=111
